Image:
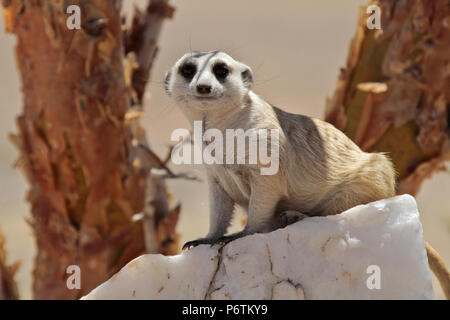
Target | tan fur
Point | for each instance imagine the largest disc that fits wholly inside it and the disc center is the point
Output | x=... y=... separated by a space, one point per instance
x=321 y=171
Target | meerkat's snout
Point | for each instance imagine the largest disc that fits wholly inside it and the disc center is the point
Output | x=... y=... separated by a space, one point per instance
x=203 y=89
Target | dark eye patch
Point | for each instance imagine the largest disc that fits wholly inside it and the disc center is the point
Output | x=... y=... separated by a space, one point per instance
x=188 y=70
x=221 y=71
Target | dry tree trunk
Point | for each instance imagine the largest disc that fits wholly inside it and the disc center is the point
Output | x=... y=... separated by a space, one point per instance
x=8 y=287
x=82 y=149
x=394 y=94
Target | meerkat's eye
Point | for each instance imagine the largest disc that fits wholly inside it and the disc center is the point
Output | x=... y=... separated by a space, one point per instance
x=221 y=71
x=188 y=70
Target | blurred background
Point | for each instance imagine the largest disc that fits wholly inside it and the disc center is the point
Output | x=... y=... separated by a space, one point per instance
x=295 y=49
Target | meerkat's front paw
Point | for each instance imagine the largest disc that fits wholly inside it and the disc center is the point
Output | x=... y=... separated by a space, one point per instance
x=199 y=241
x=231 y=237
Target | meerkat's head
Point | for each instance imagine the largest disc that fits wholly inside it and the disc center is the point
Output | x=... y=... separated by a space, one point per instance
x=204 y=80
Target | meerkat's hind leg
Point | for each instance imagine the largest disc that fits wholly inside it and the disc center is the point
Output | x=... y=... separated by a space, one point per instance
x=290 y=216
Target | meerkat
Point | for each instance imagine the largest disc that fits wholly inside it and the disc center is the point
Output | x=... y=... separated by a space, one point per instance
x=321 y=171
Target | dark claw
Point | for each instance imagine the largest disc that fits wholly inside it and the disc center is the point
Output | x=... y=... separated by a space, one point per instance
x=197 y=242
x=190 y=244
x=221 y=240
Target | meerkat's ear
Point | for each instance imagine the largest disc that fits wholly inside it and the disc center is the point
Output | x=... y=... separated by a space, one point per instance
x=166 y=82
x=247 y=76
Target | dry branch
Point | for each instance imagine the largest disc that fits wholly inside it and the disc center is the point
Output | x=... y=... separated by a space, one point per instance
x=140 y=43
x=393 y=96
x=8 y=287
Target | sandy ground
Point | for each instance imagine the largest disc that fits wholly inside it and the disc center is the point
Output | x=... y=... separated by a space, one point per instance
x=295 y=49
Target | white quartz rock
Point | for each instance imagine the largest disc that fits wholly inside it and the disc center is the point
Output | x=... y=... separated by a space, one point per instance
x=373 y=251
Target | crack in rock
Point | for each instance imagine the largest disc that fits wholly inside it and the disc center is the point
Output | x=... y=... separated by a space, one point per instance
x=219 y=263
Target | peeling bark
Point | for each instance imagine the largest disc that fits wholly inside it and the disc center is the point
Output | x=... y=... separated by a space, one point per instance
x=79 y=144
x=142 y=38
x=394 y=94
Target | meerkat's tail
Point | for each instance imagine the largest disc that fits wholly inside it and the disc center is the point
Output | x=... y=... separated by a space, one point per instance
x=437 y=265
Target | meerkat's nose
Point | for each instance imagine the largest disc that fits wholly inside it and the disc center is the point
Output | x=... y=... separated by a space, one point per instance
x=203 y=89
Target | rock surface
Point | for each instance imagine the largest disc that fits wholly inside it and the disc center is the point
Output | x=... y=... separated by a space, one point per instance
x=334 y=257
